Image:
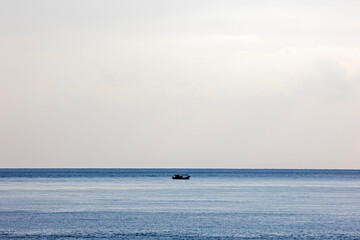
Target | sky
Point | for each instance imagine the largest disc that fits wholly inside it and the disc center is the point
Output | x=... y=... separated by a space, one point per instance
x=180 y=84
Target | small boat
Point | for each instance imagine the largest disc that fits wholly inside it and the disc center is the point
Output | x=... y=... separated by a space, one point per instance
x=181 y=177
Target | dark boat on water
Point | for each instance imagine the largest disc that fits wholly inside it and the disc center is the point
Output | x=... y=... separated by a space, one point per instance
x=181 y=177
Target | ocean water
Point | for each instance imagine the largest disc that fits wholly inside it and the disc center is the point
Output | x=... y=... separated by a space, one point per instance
x=148 y=204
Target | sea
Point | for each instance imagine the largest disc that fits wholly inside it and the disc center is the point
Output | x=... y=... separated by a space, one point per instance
x=148 y=204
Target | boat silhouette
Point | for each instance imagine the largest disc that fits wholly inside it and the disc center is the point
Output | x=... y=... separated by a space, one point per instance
x=181 y=177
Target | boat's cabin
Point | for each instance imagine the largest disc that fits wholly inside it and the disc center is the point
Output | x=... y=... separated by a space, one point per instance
x=181 y=175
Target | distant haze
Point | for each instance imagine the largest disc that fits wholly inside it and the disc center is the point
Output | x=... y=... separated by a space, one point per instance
x=164 y=83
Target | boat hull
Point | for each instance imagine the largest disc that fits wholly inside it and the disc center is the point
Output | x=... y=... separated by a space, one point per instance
x=181 y=178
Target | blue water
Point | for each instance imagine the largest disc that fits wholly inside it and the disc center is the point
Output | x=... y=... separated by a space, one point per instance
x=148 y=204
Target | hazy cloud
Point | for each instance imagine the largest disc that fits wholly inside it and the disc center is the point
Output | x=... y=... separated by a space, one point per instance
x=120 y=80
x=180 y=84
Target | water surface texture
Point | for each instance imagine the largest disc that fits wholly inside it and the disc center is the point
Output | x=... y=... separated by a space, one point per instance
x=148 y=204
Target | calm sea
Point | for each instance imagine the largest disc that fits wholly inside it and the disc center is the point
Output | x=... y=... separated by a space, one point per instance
x=148 y=204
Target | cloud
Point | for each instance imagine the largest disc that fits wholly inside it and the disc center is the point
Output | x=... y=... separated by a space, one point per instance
x=331 y=79
x=193 y=81
x=120 y=80
x=221 y=68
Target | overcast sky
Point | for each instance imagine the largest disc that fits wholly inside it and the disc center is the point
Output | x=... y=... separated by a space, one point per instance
x=190 y=83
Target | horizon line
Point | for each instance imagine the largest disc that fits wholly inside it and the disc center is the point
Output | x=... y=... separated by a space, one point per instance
x=179 y=168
